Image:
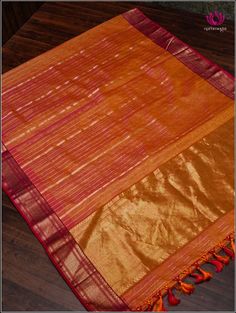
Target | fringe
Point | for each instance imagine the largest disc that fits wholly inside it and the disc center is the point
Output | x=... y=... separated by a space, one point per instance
x=155 y=303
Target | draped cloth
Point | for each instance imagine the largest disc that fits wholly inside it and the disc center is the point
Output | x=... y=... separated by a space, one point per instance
x=117 y=150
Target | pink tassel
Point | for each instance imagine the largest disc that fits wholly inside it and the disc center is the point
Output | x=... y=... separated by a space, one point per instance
x=171 y=298
x=206 y=275
x=199 y=278
x=223 y=259
x=219 y=266
x=229 y=252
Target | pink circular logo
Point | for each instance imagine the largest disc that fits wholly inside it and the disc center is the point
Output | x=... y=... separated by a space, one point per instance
x=215 y=19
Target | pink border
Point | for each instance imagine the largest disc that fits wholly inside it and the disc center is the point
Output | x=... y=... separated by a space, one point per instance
x=87 y=306
x=22 y=193
x=213 y=73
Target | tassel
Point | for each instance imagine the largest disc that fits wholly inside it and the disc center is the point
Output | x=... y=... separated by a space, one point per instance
x=229 y=252
x=147 y=307
x=222 y=259
x=186 y=288
x=232 y=244
x=159 y=305
x=219 y=266
x=171 y=298
x=206 y=275
x=199 y=278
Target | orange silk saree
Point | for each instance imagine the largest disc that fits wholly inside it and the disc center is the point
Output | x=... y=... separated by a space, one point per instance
x=117 y=150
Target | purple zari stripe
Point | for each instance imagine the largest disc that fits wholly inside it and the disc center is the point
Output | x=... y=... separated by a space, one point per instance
x=213 y=73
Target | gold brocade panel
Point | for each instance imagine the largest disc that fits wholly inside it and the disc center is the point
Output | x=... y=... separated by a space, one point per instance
x=139 y=229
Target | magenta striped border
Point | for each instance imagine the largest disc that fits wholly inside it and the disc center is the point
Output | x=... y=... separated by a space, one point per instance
x=213 y=73
x=84 y=280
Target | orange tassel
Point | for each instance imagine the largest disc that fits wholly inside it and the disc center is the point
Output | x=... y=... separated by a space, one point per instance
x=147 y=307
x=219 y=266
x=186 y=288
x=206 y=275
x=232 y=244
x=159 y=305
x=223 y=259
x=171 y=298
x=229 y=252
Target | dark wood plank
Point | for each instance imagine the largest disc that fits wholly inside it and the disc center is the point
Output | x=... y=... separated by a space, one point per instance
x=28 y=272
x=15 y=14
x=55 y=23
x=30 y=281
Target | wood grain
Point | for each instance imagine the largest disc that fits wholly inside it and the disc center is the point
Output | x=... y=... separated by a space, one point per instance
x=15 y=14
x=56 y=22
x=30 y=281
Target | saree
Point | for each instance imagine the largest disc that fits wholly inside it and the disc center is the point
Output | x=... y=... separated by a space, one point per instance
x=117 y=150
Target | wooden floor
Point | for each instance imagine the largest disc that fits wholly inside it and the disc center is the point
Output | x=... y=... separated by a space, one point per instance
x=30 y=281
